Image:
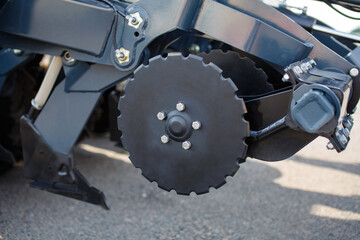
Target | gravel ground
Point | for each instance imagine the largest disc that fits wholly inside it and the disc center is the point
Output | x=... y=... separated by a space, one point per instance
x=313 y=195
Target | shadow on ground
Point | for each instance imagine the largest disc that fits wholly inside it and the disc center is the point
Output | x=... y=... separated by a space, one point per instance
x=250 y=206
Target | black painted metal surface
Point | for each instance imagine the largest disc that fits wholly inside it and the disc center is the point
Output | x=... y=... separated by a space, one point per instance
x=54 y=171
x=216 y=148
x=91 y=31
x=70 y=24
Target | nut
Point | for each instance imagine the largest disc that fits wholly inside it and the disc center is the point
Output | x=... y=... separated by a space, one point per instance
x=122 y=55
x=286 y=77
x=330 y=146
x=186 y=145
x=18 y=52
x=161 y=116
x=164 y=139
x=354 y=72
x=196 y=125
x=134 y=20
x=180 y=107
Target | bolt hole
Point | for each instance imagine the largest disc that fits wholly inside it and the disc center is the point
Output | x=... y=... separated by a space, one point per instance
x=136 y=34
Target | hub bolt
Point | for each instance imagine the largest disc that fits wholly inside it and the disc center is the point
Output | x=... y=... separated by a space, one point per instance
x=196 y=125
x=164 y=139
x=186 y=145
x=161 y=116
x=354 y=72
x=180 y=107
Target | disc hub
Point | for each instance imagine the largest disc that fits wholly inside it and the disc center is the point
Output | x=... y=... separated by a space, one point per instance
x=178 y=126
x=189 y=134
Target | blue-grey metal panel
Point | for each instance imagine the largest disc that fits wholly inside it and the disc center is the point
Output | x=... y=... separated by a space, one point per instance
x=162 y=16
x=250 y=34
x=64 y=116
x=92 y=78
x=70 y=24
x=324 y=56
x=10 y=61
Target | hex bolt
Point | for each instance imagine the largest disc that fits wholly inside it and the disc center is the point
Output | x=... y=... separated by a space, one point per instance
x=134 y=20
x=17 y=52
x=298 y=70
x=119 y=54
x=346 y=132
x=186 y=145
x=68 y=59
x=122 y=55
x=330 y=146
x=351 y=118
x=286 y=77
x=354 y=72
x=161 y=116
x=165 y=139
x=180 y=107
x=194 y=48
x=347 y=124
x=312 y=62
x=196 y=125
x=304 y=67
x=343 y=140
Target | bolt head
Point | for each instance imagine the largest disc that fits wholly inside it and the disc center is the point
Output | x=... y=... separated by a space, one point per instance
x=161 y=116
x=304 y=67
x=164 y=139
x=354 y=72
x=17 y=52
x=180 y=107
x=347 y=124
x=298 y=70
x=312 y=62
x=330 y=146
x=286 y=77
x=186 y=145
x=343 y=140
x=68 y=59
x=351 y=118
x=119 y=54
x=194 y=48
x=122 y=55
x=196 y=125
x=346 y=132
x=134 y=20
